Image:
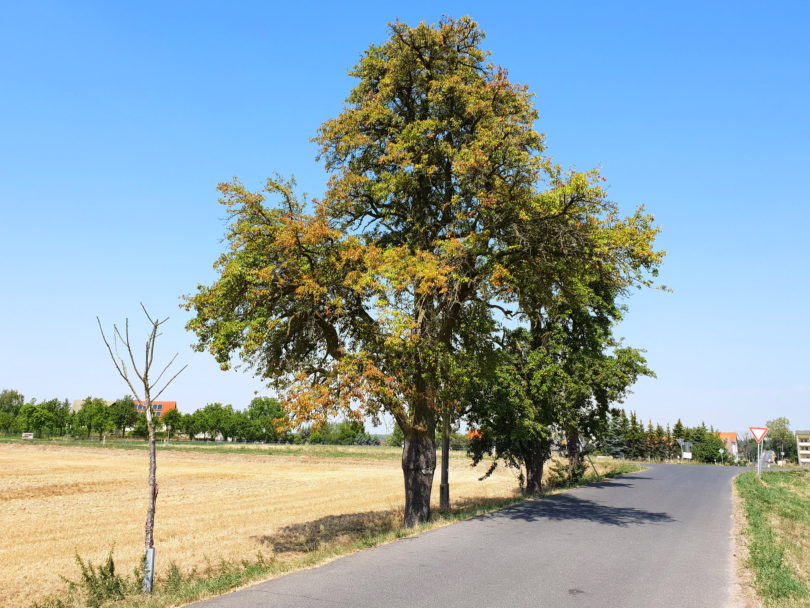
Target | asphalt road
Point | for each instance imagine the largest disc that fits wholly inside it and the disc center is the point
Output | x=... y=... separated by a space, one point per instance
x=661 y=537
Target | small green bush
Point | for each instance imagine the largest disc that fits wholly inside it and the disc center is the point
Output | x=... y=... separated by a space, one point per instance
x=101 y=583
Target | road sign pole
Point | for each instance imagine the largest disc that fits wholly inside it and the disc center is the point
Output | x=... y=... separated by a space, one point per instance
x=759 y=433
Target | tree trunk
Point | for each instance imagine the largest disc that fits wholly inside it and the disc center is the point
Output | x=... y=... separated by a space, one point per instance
x=153 y=490
x=444 y=487
x=418 y=465
x=574 y=455
x=534 y=462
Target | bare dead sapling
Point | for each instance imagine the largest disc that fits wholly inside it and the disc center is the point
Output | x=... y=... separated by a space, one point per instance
x=150 y=389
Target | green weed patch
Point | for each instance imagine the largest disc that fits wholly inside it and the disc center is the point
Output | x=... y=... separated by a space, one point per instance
x=778 y=531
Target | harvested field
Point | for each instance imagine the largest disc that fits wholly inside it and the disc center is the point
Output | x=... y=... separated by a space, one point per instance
x=60 y=500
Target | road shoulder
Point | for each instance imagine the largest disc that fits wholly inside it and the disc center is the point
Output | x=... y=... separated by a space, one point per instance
x=742 y=593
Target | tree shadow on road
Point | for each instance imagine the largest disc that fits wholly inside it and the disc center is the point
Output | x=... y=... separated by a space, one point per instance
x=349 y=528
x=345 y=529
x=568 y=507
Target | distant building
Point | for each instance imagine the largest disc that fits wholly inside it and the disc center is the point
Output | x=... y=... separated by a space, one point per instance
x=730 y=441
x=79 y=403
x=803 y=447
x=158 y=407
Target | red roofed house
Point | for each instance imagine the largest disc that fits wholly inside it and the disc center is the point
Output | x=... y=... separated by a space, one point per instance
x=730 y=441
x=158 y=407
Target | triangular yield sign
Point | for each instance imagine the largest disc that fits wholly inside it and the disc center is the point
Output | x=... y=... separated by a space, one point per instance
x=758 y=432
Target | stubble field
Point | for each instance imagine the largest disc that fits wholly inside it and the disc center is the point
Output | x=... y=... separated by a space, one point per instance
x=58 y=501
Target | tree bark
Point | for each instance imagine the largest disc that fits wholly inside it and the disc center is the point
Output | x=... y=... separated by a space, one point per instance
x=153 y=490
x=444 y=487
x=418 y=465
x=574 y=454
x=534 y=462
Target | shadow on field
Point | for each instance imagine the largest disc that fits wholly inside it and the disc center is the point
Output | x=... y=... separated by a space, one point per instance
x=566 y=507
x=312 y=535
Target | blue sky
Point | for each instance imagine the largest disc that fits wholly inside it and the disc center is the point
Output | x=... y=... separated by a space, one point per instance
x=118 y=120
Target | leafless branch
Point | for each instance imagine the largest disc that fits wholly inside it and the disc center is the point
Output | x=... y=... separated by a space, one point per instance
x=168 y=365
x=122 y=368
x=170 y=381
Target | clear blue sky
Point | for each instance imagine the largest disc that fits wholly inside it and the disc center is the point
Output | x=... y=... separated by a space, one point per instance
x=118 y=120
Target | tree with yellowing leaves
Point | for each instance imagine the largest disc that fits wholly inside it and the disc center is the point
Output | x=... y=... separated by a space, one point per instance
x=441 y=209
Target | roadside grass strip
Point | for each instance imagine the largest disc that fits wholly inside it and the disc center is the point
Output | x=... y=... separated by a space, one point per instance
x=100 y=586
x=777 y=511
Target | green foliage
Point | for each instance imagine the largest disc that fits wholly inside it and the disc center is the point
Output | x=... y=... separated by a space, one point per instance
x=172 y=418
x=123 y=413
x=47 y=416
x=773 y=506
x=562 y=475
x=141 y=428
x=564 y=374
x=268 y=418
x=397 y=437
x=94 y=416
x=11 y=402
x=612 y=443
x=8 y=422
x=101 y=583
x=626 y=437
x=708 y=449
x=459 y=441
x=678 y=431
x=343 y=433
x=781 y=439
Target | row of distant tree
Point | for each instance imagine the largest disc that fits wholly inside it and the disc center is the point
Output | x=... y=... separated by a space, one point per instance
x=263 y=420
x=623 y=436
x=626 y=436
x=49 y=416
x=53 y=417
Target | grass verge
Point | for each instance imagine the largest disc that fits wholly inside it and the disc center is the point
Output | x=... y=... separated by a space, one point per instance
x=777 y=512
x=311 y=544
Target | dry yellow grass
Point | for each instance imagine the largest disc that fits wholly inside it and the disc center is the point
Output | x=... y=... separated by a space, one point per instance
x=56 y=501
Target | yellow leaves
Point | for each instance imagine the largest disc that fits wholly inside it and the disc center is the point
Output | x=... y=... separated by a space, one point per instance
x=500 y=275
x=353 y=250
x=310 y=288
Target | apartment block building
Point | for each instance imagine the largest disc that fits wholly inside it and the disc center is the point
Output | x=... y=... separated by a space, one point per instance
x=803 y=447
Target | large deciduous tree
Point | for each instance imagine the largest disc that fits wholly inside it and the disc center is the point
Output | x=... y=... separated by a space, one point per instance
x=440 y=206
x=268 y=417
x=561 y=375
